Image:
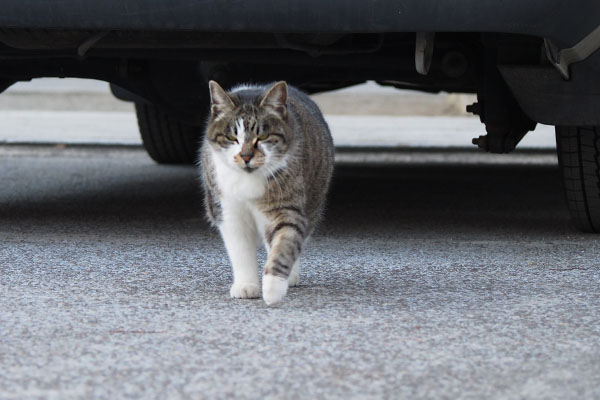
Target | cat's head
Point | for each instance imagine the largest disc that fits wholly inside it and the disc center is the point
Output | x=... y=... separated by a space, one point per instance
x=249 y=129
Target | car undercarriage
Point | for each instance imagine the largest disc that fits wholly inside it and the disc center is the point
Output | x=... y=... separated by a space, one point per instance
x=524 y=64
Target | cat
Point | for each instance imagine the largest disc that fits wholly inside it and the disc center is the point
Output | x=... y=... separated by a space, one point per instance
x=266 y=165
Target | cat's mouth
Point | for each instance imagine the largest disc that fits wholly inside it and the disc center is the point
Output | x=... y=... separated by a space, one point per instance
x=248 y=168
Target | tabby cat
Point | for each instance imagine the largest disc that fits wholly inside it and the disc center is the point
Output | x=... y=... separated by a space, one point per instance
x=266 y=164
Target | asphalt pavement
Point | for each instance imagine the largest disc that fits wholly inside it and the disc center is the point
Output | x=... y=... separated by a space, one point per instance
x=438 y=281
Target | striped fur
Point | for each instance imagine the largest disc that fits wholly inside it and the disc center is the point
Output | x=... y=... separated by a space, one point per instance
x=267 y=160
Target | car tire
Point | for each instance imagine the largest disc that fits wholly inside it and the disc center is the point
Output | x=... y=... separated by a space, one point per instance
x=579 y=159
x=166 y=139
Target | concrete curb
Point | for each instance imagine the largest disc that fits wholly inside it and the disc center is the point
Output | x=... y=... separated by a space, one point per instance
x=120 y=128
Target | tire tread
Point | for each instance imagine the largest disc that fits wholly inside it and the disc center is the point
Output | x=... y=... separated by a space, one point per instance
x=166 y=139
x=579 y=159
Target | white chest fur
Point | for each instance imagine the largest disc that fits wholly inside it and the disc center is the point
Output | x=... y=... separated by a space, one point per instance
x=236 y=184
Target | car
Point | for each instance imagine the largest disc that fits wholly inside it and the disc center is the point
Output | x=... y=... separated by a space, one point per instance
x=529 y=62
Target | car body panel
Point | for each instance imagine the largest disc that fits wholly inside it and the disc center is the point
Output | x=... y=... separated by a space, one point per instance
x=565 y=23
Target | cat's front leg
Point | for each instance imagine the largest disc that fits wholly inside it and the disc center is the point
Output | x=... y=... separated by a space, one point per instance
x=239 y=236
x=285 y=242
x=294 y=278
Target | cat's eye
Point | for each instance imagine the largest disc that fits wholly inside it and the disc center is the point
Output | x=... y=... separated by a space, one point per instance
x=231 y=137
x=263 y=136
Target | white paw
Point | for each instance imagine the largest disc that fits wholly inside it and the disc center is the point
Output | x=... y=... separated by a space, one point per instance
x=244 y=290
x=274 y=288
x=294 y=279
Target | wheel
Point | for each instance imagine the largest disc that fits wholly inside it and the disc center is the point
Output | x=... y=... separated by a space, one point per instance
x=166 y=139
x=579 y=159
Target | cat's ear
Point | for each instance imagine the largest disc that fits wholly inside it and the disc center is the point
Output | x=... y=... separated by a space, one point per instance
x=276 y=98
x=219 y=99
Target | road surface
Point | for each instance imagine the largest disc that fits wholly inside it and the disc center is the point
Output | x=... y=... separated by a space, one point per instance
x=439 y=281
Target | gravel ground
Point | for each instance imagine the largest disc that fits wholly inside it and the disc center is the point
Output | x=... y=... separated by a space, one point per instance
x=423 y=282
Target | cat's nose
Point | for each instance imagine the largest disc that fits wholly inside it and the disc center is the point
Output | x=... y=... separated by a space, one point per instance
x=246 y=157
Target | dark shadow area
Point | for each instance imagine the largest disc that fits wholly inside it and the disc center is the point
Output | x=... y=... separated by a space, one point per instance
x=362 y=199
x=451 y=198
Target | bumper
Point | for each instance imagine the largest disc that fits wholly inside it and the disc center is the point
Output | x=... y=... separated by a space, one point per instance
x=557 y=20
